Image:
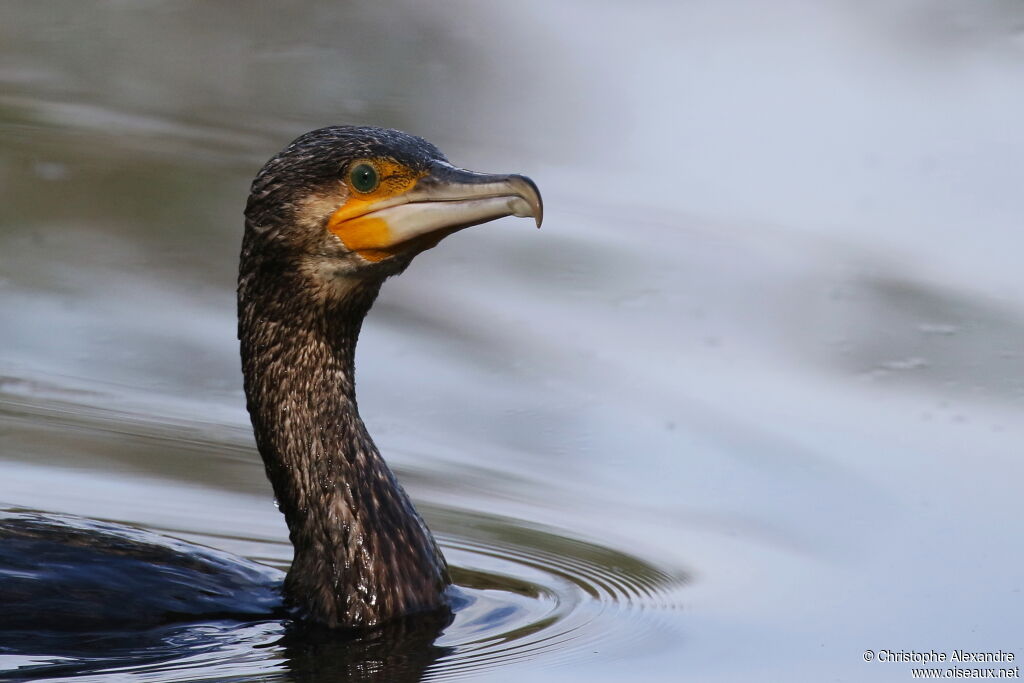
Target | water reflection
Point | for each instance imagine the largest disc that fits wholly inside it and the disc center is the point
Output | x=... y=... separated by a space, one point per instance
x=398 y=652
x=402 y=651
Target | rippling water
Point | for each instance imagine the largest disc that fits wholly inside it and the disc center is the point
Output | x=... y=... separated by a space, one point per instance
x=747 y=406
x=523 y=591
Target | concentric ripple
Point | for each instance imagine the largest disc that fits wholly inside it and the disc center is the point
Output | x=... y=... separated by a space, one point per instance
x=530 y=593
x=524 y=595
x=521 y=594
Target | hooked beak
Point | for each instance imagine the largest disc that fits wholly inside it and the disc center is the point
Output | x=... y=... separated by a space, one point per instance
x=443 y=201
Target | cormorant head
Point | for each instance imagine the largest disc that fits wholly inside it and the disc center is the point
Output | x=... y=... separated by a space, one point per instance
x=352 y=202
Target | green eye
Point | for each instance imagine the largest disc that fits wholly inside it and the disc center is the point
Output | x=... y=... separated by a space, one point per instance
x=364 y=178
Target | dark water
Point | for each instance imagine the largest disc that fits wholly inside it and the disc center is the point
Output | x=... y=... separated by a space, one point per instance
x=747 y=406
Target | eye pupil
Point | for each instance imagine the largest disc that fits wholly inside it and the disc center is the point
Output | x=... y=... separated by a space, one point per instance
x=364 y=177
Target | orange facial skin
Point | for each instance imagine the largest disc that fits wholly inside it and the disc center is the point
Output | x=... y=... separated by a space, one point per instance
x=365 y=234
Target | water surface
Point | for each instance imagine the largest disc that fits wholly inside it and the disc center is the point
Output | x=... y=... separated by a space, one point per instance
x=747 y=405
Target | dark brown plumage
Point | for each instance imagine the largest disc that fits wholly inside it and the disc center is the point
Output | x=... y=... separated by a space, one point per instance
x=362 y=553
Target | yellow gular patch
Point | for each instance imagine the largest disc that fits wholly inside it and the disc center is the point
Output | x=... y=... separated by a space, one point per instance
x=364 y=234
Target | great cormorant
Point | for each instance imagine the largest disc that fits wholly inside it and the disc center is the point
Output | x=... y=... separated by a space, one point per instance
x=331 y=217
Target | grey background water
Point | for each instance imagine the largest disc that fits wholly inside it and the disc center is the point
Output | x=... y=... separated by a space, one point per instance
x=768 y=341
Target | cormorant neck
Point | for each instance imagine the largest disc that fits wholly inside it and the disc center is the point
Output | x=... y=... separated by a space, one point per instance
x=362 y=553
